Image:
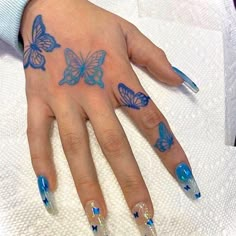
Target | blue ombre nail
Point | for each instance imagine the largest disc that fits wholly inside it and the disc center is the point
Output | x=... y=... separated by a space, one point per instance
x=45 y=193
x=187 y=81
x=187 y=182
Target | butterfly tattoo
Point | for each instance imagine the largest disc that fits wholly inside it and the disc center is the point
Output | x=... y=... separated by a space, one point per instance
x=131 y=99
x=166 y=139
x=88 y=68
x=136 y=215
x=94 y=228
x=41 y=42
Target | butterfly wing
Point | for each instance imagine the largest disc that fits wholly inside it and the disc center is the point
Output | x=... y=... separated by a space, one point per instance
x=141 y=100
x=43 y=40
x=95 y=78
x=37 y=60
x=27 y=54
x=127 y=96
x=166 y=138
x=38 y=28
x=72 y=73
x=93 y=72
x=47 y=43
x=163 y=145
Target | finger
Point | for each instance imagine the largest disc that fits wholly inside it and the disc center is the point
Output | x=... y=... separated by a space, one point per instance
x=144 y=53
x=116 y=148
x=75 y=143
x=155 y=128
x=38 y=132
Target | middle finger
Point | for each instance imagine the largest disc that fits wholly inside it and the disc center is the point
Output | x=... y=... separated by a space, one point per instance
x=116 y=148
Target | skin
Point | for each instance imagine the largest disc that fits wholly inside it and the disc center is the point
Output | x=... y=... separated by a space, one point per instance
x=84 y=27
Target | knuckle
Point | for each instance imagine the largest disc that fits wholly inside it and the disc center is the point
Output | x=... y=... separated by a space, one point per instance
x=130 y=28
x=131 y=185
x=161 y=53
x=113 y=142
x=151 y=118
x=86 y=182
x=35 y=157
x=71 y=142
x=30 y=132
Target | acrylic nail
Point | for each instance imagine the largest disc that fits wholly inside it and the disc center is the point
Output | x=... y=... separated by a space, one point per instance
x=46 y=195
x=96 y=219
x=187 y=182
x=187 y=81
x=144 y=220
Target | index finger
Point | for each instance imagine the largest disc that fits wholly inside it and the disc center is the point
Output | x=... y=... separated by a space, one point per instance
x=156 y=129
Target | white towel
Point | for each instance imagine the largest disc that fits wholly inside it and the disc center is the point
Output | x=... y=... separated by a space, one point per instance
x=197 y=121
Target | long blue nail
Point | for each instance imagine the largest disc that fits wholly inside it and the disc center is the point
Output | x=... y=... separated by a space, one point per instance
x=187 y=182
x=187 y=81
x=45 y=193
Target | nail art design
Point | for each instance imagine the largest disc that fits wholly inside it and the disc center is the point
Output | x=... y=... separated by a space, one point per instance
x=187 y=81
x=96 y=219
x=166 y=140
x=143 y=219
x=45 y=193
x=187 y=182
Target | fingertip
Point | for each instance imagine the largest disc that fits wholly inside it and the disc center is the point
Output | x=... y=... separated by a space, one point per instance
x=186 y=80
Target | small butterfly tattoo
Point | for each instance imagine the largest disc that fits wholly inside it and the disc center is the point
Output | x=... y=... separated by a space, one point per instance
x=88 y=68
x=131 y=99
x=41 y=41
x=166 y=139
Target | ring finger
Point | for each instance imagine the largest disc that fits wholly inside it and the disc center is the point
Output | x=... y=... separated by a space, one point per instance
x=75 y=142
x=116 y=148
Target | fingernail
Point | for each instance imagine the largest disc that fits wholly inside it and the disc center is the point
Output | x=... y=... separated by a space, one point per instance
x=46 y=195
x=187 y=81
x=143 y=219
x=96 y=220
x=187 y=182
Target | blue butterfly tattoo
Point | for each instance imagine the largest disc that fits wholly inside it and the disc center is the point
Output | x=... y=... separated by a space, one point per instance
x=131 y=99
x=88 y=68
x=41 y=41
x=166 y=139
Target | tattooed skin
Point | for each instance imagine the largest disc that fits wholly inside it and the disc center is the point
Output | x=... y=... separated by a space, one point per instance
x=41 y=42
x=166 y=139
x=131 y=99
x=88 y=68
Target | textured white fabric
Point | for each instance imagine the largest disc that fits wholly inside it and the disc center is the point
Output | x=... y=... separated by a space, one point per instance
x=201 y=13
x=10 y=17
x=230 y=70
x=197 y=121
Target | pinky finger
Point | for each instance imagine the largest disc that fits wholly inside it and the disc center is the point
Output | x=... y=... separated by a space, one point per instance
x=39 y=124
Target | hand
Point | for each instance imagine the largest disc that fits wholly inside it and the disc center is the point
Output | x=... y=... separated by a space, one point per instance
x=77 y=64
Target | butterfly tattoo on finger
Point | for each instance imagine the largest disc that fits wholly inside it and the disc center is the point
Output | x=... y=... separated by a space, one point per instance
x=88 y=68
x=41 y=42
x=131 y=99
x=165 y=140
